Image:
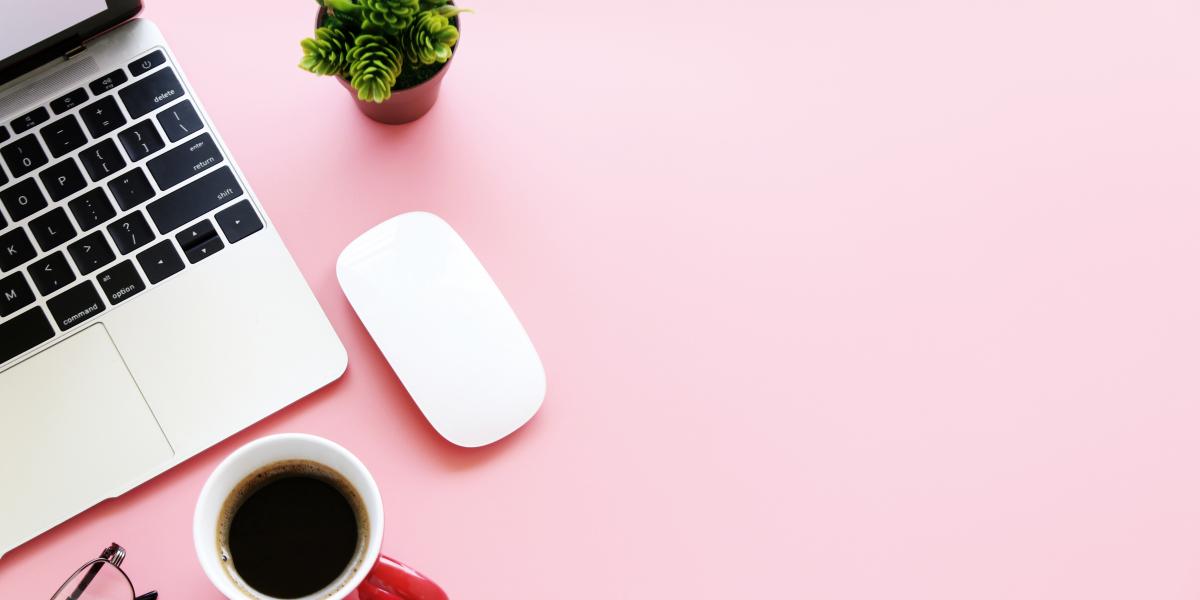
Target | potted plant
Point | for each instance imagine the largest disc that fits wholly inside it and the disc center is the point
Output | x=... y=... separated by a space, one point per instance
x=391 y=54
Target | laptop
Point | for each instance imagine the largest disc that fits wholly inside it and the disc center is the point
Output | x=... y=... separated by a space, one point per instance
x=148 y=308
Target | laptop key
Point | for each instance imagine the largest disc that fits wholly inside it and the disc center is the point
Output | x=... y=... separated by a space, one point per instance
x=160 y=261
x=23 y=156
x=189 y=158
x=239 y=221
x=4 y=134
x=141 y=140
x=193 y=200
x=75 y=305
x=92 y=209
x=52 y=229
x=15 y=294
x=63 y=136
x=108 y=82
x=63 y=179
x=91 y=253
x=121 y=283
x=130 y=232
x=23 y=199
x=30 y=120
x=196 y=234
x=180 y=121
x=51 y=273
x=102 y=160
x=204 y=249
x=15 y=250
x=64 y=103
x=131 y=189
x=145 y=63
x=158 y=89
x=102 y=116
x=23 y=333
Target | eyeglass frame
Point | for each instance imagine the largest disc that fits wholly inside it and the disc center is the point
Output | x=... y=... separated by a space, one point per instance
x=113 y=555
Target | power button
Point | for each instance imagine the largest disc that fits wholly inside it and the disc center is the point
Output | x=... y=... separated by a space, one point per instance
x=147 y=62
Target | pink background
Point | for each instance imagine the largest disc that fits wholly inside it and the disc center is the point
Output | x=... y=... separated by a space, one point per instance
x=837 y=299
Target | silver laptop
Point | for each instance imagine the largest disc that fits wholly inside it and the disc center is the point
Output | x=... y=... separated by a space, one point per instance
x=148 y=309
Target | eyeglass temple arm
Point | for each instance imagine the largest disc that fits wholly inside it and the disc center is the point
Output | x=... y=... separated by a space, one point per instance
x=148 y=596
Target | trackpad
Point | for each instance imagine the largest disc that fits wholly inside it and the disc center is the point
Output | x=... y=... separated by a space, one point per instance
x=74 y=430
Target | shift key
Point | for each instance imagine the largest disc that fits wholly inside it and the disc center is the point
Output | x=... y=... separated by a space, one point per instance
x=193 y=156
x=193 y=200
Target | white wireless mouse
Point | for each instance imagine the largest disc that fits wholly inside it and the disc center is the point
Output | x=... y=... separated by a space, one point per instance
x=444 y=327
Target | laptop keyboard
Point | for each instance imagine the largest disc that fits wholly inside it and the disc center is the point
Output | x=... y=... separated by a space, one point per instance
x=105 y=192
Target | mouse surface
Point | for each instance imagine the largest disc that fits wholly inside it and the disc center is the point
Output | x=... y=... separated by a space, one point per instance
x=444 y=327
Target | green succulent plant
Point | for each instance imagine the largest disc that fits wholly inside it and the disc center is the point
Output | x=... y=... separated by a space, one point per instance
x=371 y=43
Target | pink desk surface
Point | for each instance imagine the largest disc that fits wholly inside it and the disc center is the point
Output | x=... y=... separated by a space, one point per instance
x=837 y=299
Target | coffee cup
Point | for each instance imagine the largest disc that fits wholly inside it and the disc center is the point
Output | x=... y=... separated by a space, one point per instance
x=305 y=518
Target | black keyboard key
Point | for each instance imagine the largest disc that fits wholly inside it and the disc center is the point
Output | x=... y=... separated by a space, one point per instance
x=160 y=261
x=102 y=116
x=193 y=200
x=15 y=294
x=62 y=104
x=141 y=140
x=193 y=156
x=196 y=234
x=180 y=121
x=4 y=134
x=107 y=82
x=121 y=282
x=63 y=136
x=102 y=160
x=130 y=232
x=52 y=229
x=51 y=273
x=147 y=62
x=204 y=249
x=91 y=253
x=15 y=250
x=23 y=199
x=92 y=209
x=239 y=221
x=131 y=189
x=75 y=305
x=63 y=179
x=30 y=120
x=158 y=89
x=21 y=334
x=23 y=156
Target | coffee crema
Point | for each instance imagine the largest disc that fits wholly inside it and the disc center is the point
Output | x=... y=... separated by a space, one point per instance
x=291 y=529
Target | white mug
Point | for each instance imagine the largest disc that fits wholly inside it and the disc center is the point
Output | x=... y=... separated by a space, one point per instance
x=376 y=577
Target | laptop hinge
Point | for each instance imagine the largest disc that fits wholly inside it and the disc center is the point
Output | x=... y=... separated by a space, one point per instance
x=75 y=50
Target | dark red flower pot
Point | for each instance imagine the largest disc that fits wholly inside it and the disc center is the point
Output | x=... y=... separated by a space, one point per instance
x=407 y=104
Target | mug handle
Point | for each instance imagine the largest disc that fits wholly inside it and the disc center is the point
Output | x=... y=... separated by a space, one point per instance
x=393 y=580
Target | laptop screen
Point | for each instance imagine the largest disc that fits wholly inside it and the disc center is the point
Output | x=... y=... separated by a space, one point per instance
x=27 y=23
x=34 y=32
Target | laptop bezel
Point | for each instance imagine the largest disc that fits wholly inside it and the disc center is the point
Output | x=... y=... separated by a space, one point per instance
x=61 y=43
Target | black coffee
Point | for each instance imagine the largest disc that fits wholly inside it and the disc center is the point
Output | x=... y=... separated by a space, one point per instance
x=291 y=528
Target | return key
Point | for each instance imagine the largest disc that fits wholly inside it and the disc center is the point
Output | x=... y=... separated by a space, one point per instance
x=193 y=156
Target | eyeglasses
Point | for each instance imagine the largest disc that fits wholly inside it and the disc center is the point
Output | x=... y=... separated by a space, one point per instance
x=101 y=579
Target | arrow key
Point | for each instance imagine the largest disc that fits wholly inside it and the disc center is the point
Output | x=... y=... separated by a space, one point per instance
x=204 y=249
x=239 y=221
x=160 y=261
x=195 y=235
